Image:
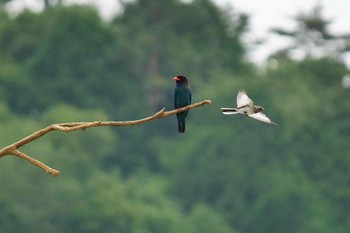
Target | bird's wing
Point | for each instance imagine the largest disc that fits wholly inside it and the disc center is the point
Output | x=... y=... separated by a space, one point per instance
x=262 y=117
x=182 y=97
x=175 y=96
x=243 y=99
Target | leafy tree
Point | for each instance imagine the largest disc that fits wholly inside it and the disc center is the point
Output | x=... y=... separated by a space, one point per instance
x=69 y=54
x=226 y=174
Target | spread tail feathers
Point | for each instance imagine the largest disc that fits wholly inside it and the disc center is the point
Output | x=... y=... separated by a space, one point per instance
x=181 y=126
x=228 y=111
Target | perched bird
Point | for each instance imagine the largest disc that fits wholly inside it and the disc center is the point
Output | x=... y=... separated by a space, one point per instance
x=246 y=107
x=182 y=98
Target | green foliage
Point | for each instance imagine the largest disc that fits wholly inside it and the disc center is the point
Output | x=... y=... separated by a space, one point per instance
x=9 y=220
x=68 y=53
x=203 y=219
x=225 y=174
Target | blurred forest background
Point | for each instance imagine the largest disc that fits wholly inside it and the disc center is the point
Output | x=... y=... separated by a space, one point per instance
x=225 y=174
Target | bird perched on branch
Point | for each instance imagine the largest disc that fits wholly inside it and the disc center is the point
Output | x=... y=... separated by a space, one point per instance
x=182 y=98
x=246 y=107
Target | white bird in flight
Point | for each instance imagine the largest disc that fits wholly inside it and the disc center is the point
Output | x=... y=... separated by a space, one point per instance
x=246 y=107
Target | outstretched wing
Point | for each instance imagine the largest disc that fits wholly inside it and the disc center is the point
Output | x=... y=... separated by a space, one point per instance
x=243 y=99
x=262 y=117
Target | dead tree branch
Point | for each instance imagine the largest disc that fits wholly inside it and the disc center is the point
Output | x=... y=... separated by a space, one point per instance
x=13 y=149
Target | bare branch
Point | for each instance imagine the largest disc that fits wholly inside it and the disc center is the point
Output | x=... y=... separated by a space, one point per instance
x=37 y=163
x=13 y=149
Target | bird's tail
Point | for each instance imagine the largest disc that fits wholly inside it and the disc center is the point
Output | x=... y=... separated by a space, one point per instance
x=229 y=111
x=181 y=125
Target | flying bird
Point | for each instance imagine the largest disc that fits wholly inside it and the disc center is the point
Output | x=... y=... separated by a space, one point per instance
x=182 y=98
x=246 y=107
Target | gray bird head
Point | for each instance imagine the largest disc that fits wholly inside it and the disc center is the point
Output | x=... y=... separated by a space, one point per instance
x=258 y=108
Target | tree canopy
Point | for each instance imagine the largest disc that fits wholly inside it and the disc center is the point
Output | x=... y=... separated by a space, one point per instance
x=225 y=174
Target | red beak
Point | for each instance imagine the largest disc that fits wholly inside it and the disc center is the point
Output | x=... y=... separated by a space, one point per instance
x=176 y=78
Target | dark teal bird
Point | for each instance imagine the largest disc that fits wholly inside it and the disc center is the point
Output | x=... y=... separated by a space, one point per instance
x=182 y=98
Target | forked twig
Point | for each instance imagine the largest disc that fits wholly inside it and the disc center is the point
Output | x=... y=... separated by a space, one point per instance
x=13 y=149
